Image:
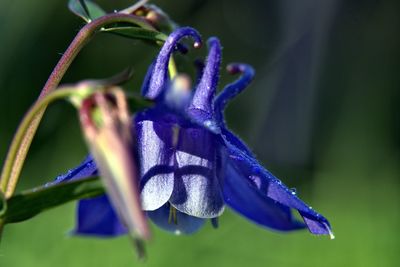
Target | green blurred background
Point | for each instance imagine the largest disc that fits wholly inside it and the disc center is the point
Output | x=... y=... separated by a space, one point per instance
x=322 y=114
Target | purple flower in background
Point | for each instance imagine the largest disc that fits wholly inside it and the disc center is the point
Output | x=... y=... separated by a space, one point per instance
x=191 y=165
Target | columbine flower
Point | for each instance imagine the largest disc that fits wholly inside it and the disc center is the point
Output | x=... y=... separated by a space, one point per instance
x=191 y=164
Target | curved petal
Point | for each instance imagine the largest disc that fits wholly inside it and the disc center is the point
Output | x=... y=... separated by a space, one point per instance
x=155 y=147
x=197 y=191
x=232 y=89
x=270 y=188
x=185 y=224
x=96 y=217
x=159 y=74
x=147 y=78
x=201 y=106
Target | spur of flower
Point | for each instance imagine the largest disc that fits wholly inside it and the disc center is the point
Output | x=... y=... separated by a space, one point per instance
x=191 y=164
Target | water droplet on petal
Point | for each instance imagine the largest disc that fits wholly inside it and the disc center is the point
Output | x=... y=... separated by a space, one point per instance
x=177 y=232
x=294 y=191
x=197 y=45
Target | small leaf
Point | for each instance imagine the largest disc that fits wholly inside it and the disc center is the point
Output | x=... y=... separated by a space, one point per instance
x=86 y=9
x=27 y=204
x=137 y=33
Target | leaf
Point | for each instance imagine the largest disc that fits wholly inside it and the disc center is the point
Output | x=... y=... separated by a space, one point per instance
x=27 y=204
x=137 y=33
x=86 y=9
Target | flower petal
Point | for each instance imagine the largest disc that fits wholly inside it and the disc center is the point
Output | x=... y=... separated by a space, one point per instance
x=316 y=223
x=156 y=153
x=185 y=224
x=270 y=188
x=159 y=75
x=96 y=217
x=86 y=169
x=232 y=89
x=197 y=190
x=201 y=104
x=244 y=198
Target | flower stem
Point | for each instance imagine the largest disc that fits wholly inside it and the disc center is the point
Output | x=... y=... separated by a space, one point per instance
x=8 y=185
x=21 y=142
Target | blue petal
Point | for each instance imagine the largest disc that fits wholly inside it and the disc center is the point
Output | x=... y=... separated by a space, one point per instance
x=96 y=217
x=269 y=187
x=233 y=89
x=159 y=75
x=201 y=105
x=185 y=224
x=244 y=198
x=86 y=169
x=156 y=155
x=197 y=190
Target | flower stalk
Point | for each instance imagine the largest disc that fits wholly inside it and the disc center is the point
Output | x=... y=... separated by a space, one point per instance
x=22 y=140
x=8 y=181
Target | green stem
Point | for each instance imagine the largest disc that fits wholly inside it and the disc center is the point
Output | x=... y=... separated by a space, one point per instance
x=8 y=184
x=21 y=143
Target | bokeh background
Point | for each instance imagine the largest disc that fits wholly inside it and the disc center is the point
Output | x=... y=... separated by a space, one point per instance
x=322 y=114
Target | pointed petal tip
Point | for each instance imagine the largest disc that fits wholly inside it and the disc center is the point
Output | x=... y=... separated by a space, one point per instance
x=328 y=230
x=331 y=234
x=316 y=223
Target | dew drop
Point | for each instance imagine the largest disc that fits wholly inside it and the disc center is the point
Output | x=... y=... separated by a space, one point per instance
x=177 y=232
x=197 y=45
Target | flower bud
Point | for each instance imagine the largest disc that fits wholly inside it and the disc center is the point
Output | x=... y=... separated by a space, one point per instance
x=157 y=17
x=108 y=130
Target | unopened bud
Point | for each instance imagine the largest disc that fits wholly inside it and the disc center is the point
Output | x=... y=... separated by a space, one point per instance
x=157 y=17
x=107 y=127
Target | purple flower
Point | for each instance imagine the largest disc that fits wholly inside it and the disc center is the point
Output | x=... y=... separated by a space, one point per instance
x=191 y=164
